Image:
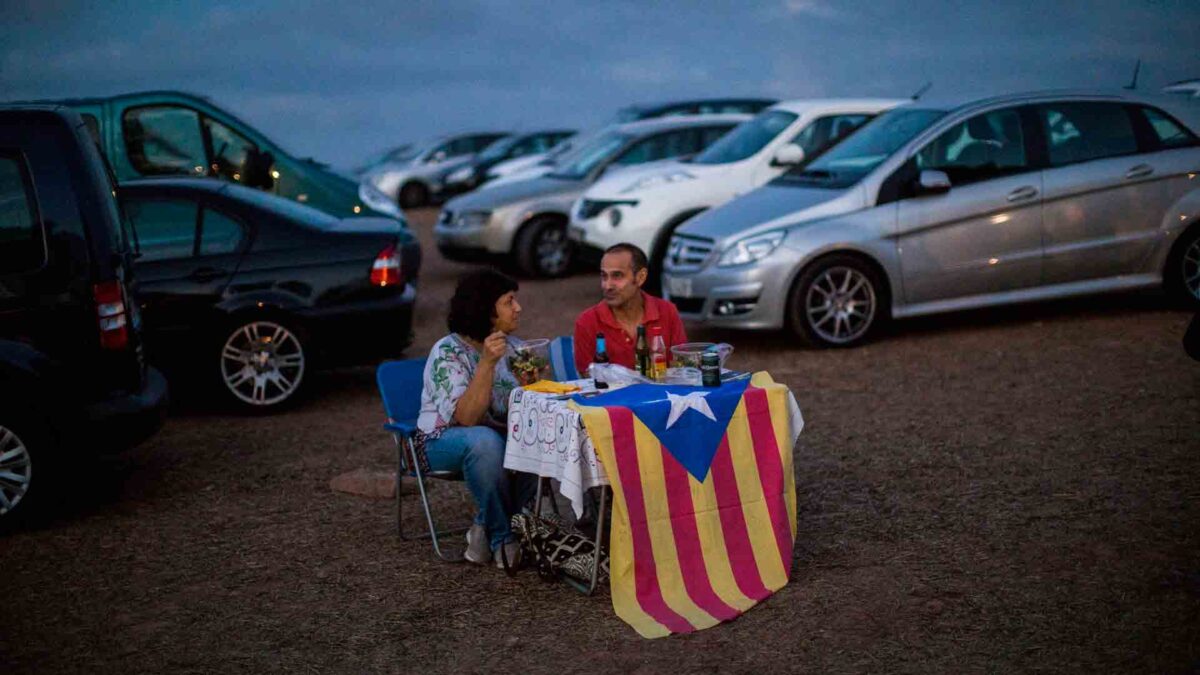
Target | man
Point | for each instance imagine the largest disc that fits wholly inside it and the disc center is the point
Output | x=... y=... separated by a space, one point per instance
x=623 y=271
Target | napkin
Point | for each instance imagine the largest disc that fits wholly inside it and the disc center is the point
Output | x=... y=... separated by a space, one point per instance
x=550 y=387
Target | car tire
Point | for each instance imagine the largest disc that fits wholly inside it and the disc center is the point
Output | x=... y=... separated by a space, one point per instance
x=261 y=363
x=542 y=248
x=413 y=195
x=842 y=289
x=1181 y=277
x=27 y=468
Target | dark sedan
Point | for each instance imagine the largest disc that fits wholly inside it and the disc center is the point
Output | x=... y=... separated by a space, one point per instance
x=252 y=291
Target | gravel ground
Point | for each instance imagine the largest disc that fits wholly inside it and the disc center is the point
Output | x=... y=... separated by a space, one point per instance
x=1010 y=490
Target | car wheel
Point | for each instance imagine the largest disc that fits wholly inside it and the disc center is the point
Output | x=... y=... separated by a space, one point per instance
x=24 y=445
x=543 y=249
x=1182 y=276
x=837 y=302
x=262 y=364
x=413 y=195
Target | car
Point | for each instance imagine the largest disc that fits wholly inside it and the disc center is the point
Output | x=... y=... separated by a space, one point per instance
x=173 y=133
x=249 y=292
x=937 y=206
x=646 y=211
x=1188 y=89
x=532 y=145
x=527 y=221
x=417 y=177
x=699 y=106
x=73 y=377
x=525 y=168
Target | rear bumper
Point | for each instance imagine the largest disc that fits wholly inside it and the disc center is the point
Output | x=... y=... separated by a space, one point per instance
x=362 y=332
x=124 y=421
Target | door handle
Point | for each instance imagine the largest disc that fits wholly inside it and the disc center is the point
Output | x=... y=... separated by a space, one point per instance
x=1139 y=171
x=1022 y=193
x=206 y=274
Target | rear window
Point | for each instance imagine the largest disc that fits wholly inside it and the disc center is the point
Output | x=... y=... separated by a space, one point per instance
x=22 y=243
x=1168 y=132
x=1081 y=132
x=166 y=228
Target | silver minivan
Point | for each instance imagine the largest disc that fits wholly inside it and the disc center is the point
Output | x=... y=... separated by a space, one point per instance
x=938 y=207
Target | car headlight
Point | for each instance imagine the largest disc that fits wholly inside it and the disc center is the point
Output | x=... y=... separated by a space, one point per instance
x=659 y=179
x=377 y=201
x=751 y=249
x=462 y=175
x=473 y=218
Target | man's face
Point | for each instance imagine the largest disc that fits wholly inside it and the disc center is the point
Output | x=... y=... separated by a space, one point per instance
x=508 y=313
x=618 y=283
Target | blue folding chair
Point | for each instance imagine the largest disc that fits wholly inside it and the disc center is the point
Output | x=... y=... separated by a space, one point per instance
x=400 y=384
x=562 y=358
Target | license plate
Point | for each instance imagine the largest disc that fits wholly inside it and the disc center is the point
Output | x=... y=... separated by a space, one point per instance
x=679 y=288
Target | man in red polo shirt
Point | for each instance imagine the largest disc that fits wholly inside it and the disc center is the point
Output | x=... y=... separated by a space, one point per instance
x=623 y=270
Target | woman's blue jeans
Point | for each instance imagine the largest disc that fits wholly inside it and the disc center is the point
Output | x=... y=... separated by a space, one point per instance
x=478 y=452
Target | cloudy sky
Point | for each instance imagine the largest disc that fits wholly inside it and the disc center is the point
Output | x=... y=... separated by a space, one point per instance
x=338 y=80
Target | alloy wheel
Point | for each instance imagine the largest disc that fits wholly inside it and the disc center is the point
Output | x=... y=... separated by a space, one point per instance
x=15 y=470
x=1191 y=268
x=551 y=248
x=262 y=363
x=840 y=305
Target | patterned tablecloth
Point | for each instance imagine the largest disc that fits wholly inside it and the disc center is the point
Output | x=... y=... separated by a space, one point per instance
x=546 y=437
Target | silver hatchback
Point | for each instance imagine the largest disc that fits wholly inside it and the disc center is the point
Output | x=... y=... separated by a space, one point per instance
x=932 y=208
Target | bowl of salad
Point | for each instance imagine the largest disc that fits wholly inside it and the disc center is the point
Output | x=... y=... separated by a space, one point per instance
x=530 y=361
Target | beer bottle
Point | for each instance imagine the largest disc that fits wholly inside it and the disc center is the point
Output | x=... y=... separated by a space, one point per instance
x=601 y=357
x=642 y=352
x=658 y=355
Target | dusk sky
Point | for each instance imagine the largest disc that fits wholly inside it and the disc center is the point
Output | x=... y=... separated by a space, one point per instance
x=340 y=80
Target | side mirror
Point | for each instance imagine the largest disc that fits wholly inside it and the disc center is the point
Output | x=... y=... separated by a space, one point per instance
x=789 y=155
x=933 y=182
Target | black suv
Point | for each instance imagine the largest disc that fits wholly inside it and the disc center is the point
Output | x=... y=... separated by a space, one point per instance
x=73 y=380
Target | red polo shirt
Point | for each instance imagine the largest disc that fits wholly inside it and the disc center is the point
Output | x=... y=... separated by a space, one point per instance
x=621 y=346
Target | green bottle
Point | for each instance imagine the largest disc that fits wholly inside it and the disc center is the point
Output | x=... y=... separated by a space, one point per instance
x=642 y=353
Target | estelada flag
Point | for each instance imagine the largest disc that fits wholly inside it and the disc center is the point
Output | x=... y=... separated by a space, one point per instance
x=704 y=508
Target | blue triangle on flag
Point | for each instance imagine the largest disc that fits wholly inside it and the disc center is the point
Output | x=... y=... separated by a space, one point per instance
x=692 y=437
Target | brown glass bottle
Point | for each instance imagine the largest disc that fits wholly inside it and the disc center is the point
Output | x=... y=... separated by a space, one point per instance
x=642 y=353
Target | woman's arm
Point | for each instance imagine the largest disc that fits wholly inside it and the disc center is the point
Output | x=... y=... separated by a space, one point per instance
x=472 y=407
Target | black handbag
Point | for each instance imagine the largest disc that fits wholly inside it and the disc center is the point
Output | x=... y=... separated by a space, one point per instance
x=557 y=549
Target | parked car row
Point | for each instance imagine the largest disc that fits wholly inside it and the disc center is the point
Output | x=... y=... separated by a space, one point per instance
x=936 y=206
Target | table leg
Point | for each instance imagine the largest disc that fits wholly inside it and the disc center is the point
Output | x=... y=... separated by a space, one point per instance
x=591 y=588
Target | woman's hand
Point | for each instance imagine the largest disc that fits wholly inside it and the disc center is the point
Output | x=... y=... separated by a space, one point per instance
x=494 y=347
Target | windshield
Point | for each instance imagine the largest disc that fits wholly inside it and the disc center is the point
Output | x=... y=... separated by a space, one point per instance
x=579 y=162
x=286 y=207
x=846 y=163
x=397 y=154
x=747 y=139
x=499 y=149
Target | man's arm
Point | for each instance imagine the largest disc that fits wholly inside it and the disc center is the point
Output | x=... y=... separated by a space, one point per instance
x=585 y=345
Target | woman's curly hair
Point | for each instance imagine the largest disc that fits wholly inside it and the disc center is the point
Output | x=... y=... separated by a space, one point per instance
x=473 y=306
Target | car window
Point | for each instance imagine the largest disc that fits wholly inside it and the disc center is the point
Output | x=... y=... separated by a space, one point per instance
x=230 y=150
x=849 y=161
x=746 y=139
x=1079 y=132
x=710 y=135
x=219 y=233
x=164 y=140
x=480 y=142
x=1168 y=132
x=166 y=229
x=824 y=132
x=21 y=237
x=985 y=146
x=528 y=146
x=659 y=146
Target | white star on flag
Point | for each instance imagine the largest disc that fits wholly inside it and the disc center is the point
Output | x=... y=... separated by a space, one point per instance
x=694 y=400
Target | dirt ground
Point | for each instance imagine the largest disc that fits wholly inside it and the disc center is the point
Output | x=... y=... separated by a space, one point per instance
x=1009 y=490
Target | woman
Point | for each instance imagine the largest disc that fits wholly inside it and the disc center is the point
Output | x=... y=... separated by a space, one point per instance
x=464 y=408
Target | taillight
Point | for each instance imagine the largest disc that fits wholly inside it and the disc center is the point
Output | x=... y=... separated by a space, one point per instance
x=110 y=315
x=385 y=271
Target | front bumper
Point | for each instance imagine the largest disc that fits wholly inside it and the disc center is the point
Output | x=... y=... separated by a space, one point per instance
x=124 y=421
x=493 y=237
x=637 y=226
x=750 y=296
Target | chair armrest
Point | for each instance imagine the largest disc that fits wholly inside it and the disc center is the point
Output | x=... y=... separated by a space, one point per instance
x=403 y=428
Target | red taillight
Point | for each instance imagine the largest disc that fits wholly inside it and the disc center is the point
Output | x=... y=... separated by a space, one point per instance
x=110 y=315
x=385 y=271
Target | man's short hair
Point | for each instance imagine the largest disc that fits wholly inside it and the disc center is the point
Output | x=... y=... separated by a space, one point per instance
x=473 y=306
x=640 y=262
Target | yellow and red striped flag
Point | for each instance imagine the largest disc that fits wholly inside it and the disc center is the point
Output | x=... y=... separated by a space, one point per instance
x=704 y=509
